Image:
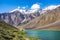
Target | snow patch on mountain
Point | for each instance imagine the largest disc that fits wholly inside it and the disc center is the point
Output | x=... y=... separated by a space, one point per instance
x=51 y=7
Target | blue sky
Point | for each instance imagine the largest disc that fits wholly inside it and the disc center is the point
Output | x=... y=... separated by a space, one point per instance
x=8 y=5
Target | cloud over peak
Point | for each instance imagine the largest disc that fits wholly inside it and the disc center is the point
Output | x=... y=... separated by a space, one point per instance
x=35 y=6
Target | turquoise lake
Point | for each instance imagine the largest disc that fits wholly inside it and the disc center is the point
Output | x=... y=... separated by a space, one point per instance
x=44 y=34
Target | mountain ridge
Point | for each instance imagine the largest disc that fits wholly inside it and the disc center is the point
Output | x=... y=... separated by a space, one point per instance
x=19 y=19
x=48 y=17
x=16 y=17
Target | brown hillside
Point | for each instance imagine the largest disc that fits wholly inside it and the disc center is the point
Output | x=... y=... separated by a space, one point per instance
x=47 y=18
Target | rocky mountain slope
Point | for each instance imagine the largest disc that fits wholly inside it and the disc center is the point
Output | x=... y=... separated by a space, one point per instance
x=18 y=16
x=47 y=20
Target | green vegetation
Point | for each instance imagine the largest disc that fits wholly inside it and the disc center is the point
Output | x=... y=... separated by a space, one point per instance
x=8 y=32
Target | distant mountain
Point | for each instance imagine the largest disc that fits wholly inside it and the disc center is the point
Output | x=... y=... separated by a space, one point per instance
x=48 y=20
x=19 y=16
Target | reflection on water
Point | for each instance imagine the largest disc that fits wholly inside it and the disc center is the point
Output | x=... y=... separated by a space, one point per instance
x=44 y=34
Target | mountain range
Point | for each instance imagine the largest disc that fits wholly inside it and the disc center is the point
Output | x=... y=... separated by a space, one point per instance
x=18 y=16
x=49 y=20
x=33 y=18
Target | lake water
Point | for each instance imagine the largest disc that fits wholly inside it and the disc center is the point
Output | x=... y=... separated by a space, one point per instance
x=44 y=34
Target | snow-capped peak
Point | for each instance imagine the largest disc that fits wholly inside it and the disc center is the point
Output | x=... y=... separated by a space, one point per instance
x=51 y=7
x=24 y=10
x=17 y=9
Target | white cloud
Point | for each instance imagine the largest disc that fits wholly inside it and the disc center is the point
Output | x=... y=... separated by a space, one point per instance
x=19 y=7
x=35 y=6
x=51 y=7
x=24 y=7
